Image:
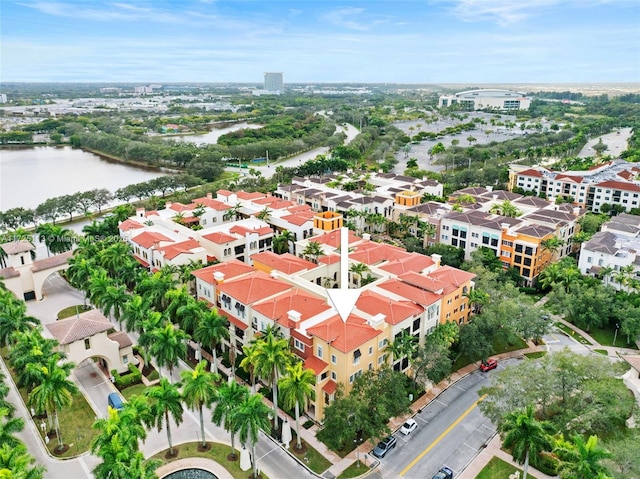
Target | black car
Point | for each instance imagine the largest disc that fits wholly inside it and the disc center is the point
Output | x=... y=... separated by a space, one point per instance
x=444 y=473
x=384 y=447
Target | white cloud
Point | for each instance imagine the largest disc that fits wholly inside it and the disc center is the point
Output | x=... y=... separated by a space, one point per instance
x=346 y=18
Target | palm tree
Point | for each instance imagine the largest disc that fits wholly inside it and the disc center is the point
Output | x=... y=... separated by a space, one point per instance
x=54 y=391
x=313 y=251
x=264 y=214
x=186 y=276
x=13 y=319
x=281 y=242
x=168 y=346
x=175 y=299
x=30 y=349
x=113 y=302
x=229 y=396
x=166 y=402
x=272 y=357
x=114 y=257
x=190 y=314
x=525 y=436
x=8 y=427
x=79 y=273
x=506 y=208
x=56 y=238
x=155 y=287
x=98 y=285
x=477 y=299
x=18 y=463
x=251 y=415
x=213 y=329
x=248 y=363
x=404 y=345
x=580 y=459
x=135 y=312
x=232 y=213
x=199 y=390
x=552 y=245
x=358 y=269
x=297 y=388
x=605 y=274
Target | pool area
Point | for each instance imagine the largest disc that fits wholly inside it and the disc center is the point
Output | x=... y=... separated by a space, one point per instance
x=191 y=474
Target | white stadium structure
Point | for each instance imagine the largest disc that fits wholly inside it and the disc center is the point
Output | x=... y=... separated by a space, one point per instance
x=487 y=99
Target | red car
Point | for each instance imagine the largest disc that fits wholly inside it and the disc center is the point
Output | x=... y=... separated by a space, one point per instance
x=488 y=365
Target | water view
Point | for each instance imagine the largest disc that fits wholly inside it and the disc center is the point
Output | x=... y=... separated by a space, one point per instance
x=29 y=176
x=212 y=137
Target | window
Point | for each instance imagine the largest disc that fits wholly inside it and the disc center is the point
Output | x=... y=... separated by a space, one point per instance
x=299 y=345
x=319 y=352
x=334 y=376
x=356 y=356
x=355 y=376
x=382 y=343
x=528 y=250
x=87 y=343
x=334 y=359
x=370 y=350
x=125 y=359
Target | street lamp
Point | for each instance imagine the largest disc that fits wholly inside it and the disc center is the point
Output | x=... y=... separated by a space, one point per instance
x=357 y=443
x=615 y=335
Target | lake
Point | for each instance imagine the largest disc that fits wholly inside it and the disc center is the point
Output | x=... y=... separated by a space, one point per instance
x=29 y=176
x=211 y=138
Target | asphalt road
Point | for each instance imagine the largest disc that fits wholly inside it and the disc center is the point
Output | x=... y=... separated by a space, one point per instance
x=451 y=431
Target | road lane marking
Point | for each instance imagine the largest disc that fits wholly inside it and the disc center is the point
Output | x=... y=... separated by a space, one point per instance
x=441 y=436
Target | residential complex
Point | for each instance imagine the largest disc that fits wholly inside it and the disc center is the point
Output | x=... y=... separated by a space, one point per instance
x=612 y=253
x=493 y=99
x=612 y=183
x=273 y=83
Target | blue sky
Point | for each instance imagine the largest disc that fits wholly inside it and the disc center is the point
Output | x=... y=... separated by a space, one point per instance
x=416 y=41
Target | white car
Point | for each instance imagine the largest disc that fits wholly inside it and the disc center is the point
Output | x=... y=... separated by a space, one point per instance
x=408 y=426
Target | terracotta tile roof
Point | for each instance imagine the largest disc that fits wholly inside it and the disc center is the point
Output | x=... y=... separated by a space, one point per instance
x=141 y=261
x=179 y=207
x=417 y=295
x=224 y=192
x=427 y=283
x=176 y=249
x=566 y=177
x=627 y=175
x=85 y=325
x=298 y=300
x=619 y=185
x=344 y=336
x=286 y=263
x=121 y=338
x=333 y=238
x=316 y=364
x=211 y=203
x=230 y=269
x=531 y=172
x=219 y=237
x=298 y=219
x=149 y=238
x=330 y=387
x=395 y=311
x=372 y=253
x=243 y=230
x=9 y=272
x=243 y=195
x=15 y=247
x=329 y=259
x=299 y=208
x=129 y=224
x=51 y=262
x=455 y=276
x=267 y=200
x=412 y=262
x=235 y=321
x=253 y=287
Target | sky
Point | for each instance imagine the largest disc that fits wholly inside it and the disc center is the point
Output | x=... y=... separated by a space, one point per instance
x=372 y=41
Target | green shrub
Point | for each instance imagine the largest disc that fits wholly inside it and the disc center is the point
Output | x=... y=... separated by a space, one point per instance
x=129 y=379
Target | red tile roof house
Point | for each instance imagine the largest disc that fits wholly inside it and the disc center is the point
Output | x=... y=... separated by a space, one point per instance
x=238 y=240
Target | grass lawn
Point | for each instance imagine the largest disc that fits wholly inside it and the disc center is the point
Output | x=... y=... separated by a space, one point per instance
x=312 y=458
x=570 y=332
x=498 y=469
x=218 y=453
x=354 y=470
x=605 y=337
x=136 y=389
x=75 y=424
x=72 y=310
x=601 y=351
x=537 y=355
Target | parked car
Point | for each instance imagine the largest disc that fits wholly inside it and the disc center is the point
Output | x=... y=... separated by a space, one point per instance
x=444 y=473
x=384 y=447
x=115 y=401
x=488 y=365
x=408 y=426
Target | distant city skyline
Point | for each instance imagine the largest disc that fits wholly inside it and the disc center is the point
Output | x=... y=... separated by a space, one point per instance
x=404 y=41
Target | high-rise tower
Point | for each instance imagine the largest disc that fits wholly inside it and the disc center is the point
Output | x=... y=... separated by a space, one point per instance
x=273 y=82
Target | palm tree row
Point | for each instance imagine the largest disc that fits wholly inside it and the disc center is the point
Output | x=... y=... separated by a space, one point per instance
x=39 y=369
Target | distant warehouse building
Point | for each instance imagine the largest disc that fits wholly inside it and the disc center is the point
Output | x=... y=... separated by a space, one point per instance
x=487 y=99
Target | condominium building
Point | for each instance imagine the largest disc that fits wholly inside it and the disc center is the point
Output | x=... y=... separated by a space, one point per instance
x=273 y=82
x=611 y=183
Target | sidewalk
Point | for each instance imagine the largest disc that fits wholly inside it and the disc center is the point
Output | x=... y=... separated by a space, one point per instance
x=493 y=449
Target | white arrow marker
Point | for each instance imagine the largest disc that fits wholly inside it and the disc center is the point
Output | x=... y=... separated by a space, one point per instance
x=344 y=299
